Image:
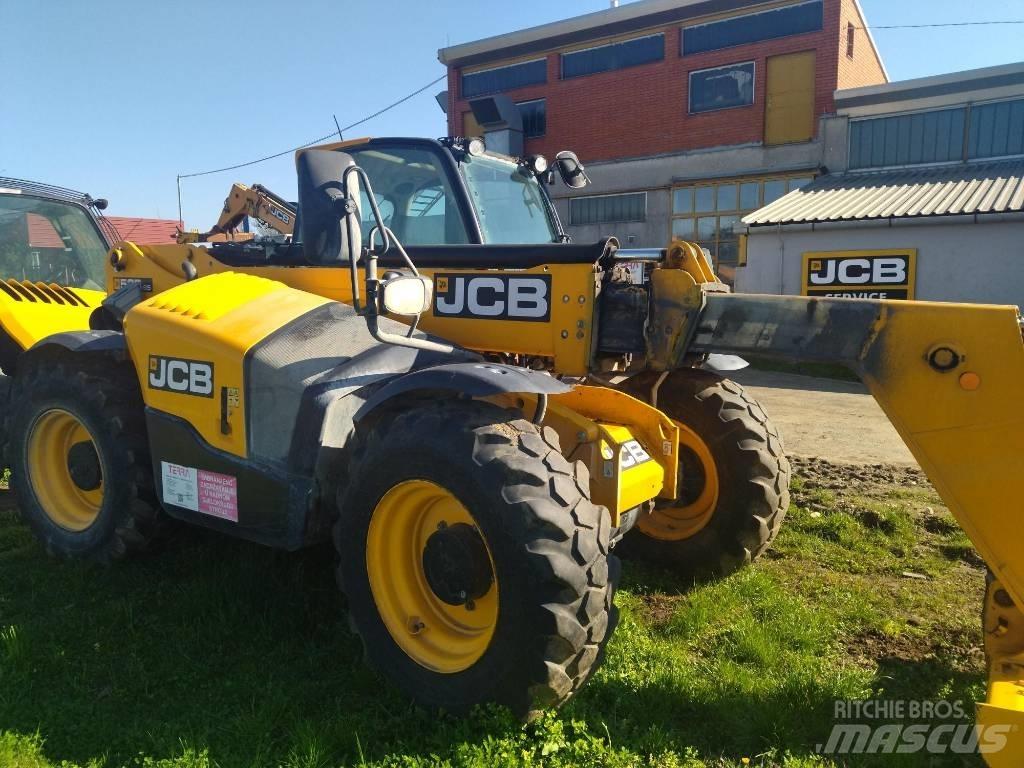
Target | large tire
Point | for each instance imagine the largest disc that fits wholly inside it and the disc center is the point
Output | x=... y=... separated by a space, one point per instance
x=538 y=631
x=734 y=478
x=79 y=458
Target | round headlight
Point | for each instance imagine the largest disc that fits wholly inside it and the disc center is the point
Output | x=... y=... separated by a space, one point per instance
x=476 y=147
x=538 y=164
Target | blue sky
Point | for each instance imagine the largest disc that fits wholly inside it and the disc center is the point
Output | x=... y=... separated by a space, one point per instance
x=116 y=97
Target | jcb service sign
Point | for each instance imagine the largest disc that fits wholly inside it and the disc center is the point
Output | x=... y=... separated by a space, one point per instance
x=860 y=274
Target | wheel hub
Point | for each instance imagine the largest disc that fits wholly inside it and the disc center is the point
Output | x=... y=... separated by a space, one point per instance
x=84 y=466
x=456 y=564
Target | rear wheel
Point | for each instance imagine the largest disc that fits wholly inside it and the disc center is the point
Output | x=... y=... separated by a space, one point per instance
x=79 y=459
x=734 y=478
x=475 y=565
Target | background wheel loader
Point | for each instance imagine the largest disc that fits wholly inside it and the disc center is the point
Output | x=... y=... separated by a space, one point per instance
x=947 y=376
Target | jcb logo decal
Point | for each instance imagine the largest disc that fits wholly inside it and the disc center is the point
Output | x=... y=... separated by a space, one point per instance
x=494 y=297
x=632 y=454
x=861 y=275
x=278 y=214
x=186 y=377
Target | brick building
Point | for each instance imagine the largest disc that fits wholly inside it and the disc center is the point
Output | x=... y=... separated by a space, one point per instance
x=688 y=113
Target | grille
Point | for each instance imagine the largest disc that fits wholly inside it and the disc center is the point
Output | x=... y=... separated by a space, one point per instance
x=41 y=293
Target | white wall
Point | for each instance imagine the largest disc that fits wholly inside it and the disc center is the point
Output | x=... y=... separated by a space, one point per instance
x=963 y=261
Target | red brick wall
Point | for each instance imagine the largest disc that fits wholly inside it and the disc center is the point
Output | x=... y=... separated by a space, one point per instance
x=865 y=68
x=643 y=110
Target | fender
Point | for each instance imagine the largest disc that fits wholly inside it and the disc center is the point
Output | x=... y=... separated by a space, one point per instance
x=110 y=342
x=472 y=379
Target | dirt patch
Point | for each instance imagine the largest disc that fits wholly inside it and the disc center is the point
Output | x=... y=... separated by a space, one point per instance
x=958 y=649
x=659 y=609
x=862 y=479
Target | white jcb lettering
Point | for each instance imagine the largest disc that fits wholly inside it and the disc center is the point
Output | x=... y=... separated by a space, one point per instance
x=200 y=380
x=854 y=271
x=455 y=301
x=890 y=270
x=186 y=376
x=491 y=288
x=177 y=375
x=527 y=297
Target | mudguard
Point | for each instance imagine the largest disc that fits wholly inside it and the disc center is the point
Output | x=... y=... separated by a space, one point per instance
x=83 y=341
x=471 y=379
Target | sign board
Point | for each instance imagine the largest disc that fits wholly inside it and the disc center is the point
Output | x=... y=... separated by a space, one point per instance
x=887 y=274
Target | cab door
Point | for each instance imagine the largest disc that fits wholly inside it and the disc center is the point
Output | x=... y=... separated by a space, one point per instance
x=789 y=110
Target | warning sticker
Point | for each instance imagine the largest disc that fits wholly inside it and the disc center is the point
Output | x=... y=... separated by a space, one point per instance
x=218 y=495
x=208 y=493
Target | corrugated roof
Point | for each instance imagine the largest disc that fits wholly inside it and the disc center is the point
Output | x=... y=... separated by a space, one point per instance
x=145 y=231
x=977 y=188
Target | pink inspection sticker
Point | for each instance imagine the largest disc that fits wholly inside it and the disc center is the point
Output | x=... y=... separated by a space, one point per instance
x=218 y=495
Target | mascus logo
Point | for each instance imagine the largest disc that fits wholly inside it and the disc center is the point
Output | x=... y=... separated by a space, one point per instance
x=186 y=377
x=493 y=297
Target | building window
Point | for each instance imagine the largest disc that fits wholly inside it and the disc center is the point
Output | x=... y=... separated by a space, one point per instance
x=722 y=87
x=504 y=78
x=753 y=27
x=851 y=38
x=607 y=209
x=997 y=129
x=709 y=214
x=604 y=58
x=535 y=117
x=922 y=137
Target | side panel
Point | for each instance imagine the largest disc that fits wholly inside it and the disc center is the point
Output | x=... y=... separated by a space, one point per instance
x=545 y=311
x=217 y=490
x=189 y=345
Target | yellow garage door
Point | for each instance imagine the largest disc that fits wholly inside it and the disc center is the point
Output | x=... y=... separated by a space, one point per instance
x=789 y=115
x=470 y=127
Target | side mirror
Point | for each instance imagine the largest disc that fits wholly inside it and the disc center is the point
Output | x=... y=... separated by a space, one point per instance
x=571 y=170
x=407 y=295
x=329 y=224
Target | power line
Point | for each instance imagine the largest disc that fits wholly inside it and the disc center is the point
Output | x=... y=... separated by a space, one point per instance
x=943 y=24
x=335 y=132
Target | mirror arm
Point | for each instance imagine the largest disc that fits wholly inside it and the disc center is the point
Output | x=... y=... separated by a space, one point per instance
x=370 y=255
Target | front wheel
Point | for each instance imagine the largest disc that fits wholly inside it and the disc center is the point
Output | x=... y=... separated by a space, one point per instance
x=734 y=478
x=79 y=458
x=475 y=565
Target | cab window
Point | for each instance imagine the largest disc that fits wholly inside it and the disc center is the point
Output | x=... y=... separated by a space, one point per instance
x=413 y=194
x=50 y=242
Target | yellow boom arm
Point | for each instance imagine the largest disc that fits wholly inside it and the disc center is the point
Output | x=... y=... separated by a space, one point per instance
x=257 y=202
x=949 y=378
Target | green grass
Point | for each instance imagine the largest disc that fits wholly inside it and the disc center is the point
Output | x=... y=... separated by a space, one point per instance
x=219 y=653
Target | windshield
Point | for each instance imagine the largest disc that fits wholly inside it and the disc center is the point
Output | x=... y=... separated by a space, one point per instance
x=509 y=201
x=50 y=242
x=413 y=195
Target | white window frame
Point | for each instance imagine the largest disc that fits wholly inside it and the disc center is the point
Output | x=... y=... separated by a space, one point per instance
x=689 y=87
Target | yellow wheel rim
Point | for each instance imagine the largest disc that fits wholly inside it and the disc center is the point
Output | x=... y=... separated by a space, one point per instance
x=50 y=444
x=682 y=518
x=437 y=635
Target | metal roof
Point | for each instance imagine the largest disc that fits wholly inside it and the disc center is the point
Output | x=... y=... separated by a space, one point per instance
x=965 y=189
